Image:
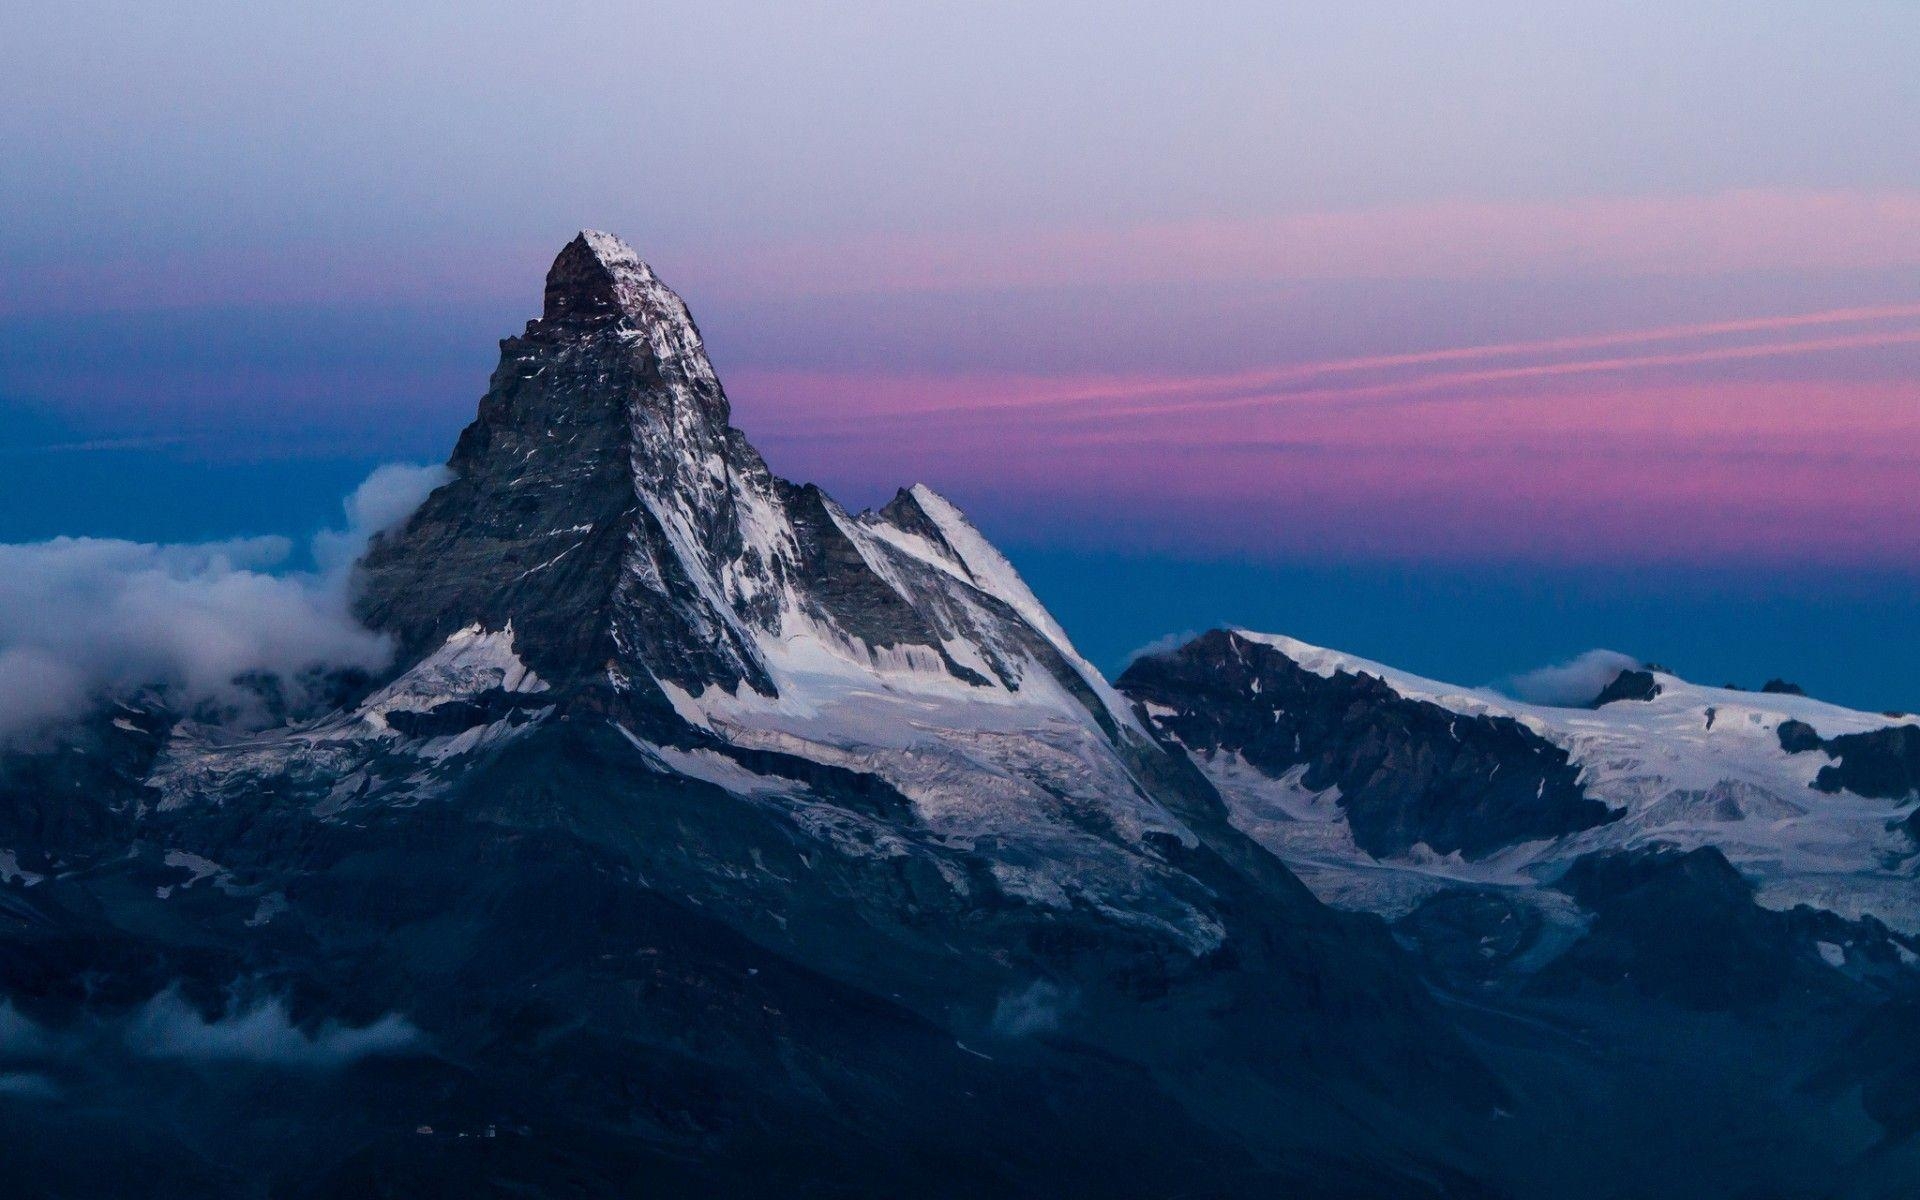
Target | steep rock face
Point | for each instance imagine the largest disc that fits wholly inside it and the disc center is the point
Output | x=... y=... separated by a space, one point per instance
x=1629 y=685
x=599 y=502
x=1715 y=939
x=607 y=526
x=603 y=504
x=1406 y=773
x=1881 y=763
x=59 y=804
x=1683 y=926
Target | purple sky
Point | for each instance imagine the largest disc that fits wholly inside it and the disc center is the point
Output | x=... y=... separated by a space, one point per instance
x=1592 y=286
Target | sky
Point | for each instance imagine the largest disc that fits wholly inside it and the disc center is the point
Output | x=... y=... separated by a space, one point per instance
x=1467 y=337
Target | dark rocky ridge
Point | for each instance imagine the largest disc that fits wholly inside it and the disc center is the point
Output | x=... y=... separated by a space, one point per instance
x=545 y=509
x=1408 y=772
x=603 y=504
x=1683 y=926
x=1883 y=764
x=1628 y=685
x=60 y=802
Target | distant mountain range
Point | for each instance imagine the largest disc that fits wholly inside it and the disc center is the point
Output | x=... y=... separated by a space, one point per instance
x=706 y=838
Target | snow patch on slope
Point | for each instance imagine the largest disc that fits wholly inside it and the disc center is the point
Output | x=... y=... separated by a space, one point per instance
x=334 y=758
x=990 y=570
x=471 y=661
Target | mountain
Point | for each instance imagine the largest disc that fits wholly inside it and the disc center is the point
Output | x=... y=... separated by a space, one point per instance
x=1723 y=885
x=706 y=838
x=703 y=838
x=1384 y=789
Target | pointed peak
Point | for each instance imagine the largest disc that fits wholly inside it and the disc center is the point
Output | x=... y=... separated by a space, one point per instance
x=906 y=511
x=917 y=502
x=598 y=282
x=597 y=278
x=926 y=497
x=610 y=250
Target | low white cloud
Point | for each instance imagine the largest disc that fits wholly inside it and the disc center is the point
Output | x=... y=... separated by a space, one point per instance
x=81 y=618
x=1577 y=681
x=1165 y=644
x=1034 y=1009
x=168 y=1027
x=381 y=502
x=27 y=1085
x=261 y=1033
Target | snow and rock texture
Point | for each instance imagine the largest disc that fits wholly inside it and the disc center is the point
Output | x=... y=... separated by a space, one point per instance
x=705 y=838
x=1384 y=789
x=715 y=840
x=1430 y=780
x=603 y=507
x=604 y=504
x=1714 y=890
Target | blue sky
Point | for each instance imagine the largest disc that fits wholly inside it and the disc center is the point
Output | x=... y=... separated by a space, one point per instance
x=1464 y=336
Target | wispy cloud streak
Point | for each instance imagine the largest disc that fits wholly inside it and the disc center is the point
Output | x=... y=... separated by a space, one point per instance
x=1110 y=397
x=1494 y=350
x=1412 y=389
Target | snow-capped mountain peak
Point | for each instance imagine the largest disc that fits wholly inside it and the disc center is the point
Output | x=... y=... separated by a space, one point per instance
x=604 y=503
x=597 y=279
x=651 y=566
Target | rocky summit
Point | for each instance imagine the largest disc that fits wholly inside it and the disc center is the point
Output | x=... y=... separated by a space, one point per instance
x=706 y=838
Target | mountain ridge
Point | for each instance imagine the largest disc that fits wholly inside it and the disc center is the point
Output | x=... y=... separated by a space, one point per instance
x=705 y=837
x=669 y=742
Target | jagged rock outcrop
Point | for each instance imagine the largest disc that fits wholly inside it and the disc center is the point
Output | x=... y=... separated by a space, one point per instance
x=603 y=504
x=1351 y=770
x=1739 y=937
x=1880 y=763
x=1628 y=685
x=1406 y=773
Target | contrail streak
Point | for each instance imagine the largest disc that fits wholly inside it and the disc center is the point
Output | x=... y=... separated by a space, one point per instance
x=1106 y=392
x=1452 y=379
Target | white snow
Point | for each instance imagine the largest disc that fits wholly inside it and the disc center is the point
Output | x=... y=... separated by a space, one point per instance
x=473 y=660
x=10 y=870
x=198 y=868
x=201 y=765
x=663 y=320
x=1695 y=766
x=970 y=725
x=991 y=571
x=710 y=766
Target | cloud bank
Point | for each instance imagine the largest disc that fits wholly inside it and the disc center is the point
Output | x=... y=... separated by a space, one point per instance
x=1574 y=682
x=168 y=1027
x=1035 y=1009
x=85 y=617
x=381 y=502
